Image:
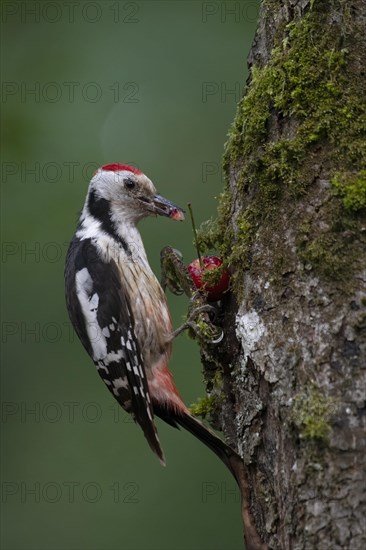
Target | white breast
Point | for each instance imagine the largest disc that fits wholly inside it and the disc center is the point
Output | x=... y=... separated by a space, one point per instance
x=147 y=299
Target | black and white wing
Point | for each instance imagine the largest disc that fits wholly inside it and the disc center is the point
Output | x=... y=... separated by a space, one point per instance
x=101 y=315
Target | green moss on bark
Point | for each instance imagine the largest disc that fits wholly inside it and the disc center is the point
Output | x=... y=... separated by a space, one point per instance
x=302 y=115
x=311 y=413
x=204 y=406
x=351 y=188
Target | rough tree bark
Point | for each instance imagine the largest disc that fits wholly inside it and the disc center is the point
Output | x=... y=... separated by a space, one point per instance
x=288 y=384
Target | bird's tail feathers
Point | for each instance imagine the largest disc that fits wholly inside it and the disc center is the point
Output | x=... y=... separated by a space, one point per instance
x=228 y=456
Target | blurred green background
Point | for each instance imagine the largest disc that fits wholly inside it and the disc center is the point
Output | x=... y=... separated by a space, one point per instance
x=84 y=84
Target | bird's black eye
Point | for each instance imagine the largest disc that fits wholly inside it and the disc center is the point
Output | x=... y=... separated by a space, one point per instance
x=129 y=183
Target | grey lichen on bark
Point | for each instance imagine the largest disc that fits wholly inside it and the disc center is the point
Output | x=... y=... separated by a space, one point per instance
x=292 y=226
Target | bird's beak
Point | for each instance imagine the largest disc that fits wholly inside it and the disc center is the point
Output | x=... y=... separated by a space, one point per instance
x=163 y=207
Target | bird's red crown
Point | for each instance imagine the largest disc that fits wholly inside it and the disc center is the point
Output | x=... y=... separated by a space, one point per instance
x=119 y=167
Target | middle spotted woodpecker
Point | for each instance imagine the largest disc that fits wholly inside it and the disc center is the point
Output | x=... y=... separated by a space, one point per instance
x=119 y=310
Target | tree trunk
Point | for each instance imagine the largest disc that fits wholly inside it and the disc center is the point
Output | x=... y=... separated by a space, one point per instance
x=289 y=380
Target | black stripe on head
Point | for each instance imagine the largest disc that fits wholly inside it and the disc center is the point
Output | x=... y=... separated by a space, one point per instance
x=99 y=208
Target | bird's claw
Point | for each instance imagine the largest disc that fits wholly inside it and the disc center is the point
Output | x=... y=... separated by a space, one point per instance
x=203 y=329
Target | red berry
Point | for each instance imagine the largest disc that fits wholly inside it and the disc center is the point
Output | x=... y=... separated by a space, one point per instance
x=215 y=291
x=176 y=214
